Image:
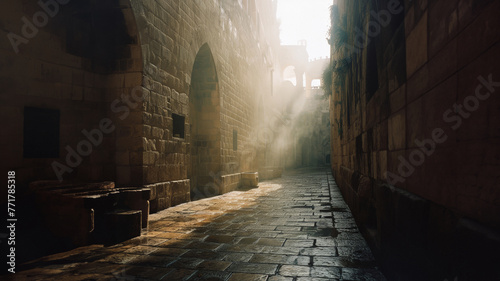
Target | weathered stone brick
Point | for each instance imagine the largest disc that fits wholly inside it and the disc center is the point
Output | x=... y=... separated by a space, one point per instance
x=435 y=104
x=416 y=47
x=418 y=84
x=398 y=99
x=478 y=36
x=397 y=131
x=443 y=24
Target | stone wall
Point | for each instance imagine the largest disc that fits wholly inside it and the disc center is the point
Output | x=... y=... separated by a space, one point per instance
x=131 y=64
x=74 y=64
x=415 y=133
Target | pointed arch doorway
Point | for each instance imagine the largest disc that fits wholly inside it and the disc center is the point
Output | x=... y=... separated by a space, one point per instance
x=205 y=106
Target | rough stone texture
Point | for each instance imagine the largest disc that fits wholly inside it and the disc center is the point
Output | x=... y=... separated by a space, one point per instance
x=141 y=64
x=416 y=55
x=210 y=85
x=416 y=199
x=294 y=227
x=250 y=180
x=64 y=69
x=231 y=182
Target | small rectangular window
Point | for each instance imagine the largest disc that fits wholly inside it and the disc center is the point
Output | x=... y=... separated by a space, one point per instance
x=178 y=128
x=235 y=140
x=41 y=133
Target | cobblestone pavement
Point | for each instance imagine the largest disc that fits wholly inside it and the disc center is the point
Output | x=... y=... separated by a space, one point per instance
x=294 y=228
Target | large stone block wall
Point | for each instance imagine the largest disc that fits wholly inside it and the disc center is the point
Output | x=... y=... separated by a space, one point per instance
x=431 y=72
x=168 y=194
x=149 y=52
x=67 y=64
x=231 y=182
x=173 y=33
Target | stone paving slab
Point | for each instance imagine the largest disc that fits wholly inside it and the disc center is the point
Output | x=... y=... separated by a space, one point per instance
x=295 y=228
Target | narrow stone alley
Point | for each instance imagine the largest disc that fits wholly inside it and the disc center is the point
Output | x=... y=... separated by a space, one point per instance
x=250 y=140
x=297 y=227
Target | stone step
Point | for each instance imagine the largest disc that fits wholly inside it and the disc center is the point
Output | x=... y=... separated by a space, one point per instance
x=121 y=225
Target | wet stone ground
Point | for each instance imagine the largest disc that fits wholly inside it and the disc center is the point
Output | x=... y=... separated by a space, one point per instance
x=294 y=228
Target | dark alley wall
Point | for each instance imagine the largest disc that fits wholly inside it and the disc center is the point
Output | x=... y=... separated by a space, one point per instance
x=415 y=119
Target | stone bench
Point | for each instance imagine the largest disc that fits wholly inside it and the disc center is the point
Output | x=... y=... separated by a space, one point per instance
x=122 y=225
x=250 y=179
x=81 y=212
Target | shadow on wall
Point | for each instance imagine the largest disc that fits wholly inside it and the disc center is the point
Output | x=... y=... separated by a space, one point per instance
x=205 y=124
